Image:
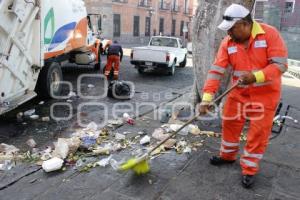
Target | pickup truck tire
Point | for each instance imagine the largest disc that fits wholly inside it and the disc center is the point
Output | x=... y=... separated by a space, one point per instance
x=183 y=63
x=141 y=70
x=50 y=74
x=172 y=69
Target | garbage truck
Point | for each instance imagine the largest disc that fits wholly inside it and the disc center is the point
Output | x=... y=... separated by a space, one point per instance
x=36 y=38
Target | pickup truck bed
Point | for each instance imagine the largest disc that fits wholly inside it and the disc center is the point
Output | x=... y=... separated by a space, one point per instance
x=162 y=53
x=149 y=56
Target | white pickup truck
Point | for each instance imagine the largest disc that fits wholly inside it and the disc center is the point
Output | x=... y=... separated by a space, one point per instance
x=161 y=53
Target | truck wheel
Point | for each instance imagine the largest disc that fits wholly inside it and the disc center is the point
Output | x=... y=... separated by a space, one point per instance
x=141 y=70
x=97 y=66
x=171 y=71
x=50 y=75
x=183 y=63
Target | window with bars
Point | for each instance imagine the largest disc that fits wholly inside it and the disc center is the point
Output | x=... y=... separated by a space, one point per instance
x=136 y=26
x=181 y=28
x=100 y=23
x=147 y=26
x=117 y=25
x=173 y=27
x=161 y=4
x=186 y=6
x=175 y=6
x=289 y=7
x=161 y=25
x=144 y=3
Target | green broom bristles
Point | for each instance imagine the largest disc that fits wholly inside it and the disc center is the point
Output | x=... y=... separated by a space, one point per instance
x=139 y=167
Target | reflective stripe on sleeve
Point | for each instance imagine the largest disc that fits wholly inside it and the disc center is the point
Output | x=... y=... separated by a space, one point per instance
x=281 y=67
x=282 y=60
x=239 y=73
x=212 y=76
x=219 y=69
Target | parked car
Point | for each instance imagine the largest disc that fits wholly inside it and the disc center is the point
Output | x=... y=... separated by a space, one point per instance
x=162 y=52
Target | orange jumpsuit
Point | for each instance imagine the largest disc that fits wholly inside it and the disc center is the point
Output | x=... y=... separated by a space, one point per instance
x=112 y=61
x=115 y=54
x=266 y=58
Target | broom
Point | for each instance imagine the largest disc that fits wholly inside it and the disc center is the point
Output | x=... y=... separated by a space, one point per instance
x=140 y=164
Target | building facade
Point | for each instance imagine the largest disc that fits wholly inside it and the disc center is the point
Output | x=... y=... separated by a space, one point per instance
x=135 y=21
x=285 y=16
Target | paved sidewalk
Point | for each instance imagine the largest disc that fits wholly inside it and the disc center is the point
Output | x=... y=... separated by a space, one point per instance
x=179 y=176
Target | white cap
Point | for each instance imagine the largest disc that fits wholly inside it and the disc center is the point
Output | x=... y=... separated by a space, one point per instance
x=237 y=12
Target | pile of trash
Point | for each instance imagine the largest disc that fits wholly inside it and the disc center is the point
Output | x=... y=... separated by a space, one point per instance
x=93 y=146
x=8 y=154
x=31 y=114
x=88 y=142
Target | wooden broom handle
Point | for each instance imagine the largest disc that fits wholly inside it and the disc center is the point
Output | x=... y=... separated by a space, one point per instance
x=194 y=118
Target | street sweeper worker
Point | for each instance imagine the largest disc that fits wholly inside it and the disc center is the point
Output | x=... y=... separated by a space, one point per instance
x=114 y=57
x=258 y=57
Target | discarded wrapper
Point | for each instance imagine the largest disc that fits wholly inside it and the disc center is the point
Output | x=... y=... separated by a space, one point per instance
x=120 y=136
x=102 y=151
x=34 y=117
x=159 y=134
x=128 y=119
x=145 y=140
x=29 y=112
x=31 y=143
x=170 y=143
x=91 y=126
x=52 y=164
x=183 y=132
x=193 y=129
x=6 y=165
x=88 y=142
x=104 y=162
x=71 y=94
x=61 y=148
x=8 y=150
x=45 y=119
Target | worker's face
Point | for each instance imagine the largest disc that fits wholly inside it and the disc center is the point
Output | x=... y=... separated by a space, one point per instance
x=240 y=32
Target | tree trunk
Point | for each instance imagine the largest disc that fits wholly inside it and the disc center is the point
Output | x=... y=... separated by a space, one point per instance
x=207 y=38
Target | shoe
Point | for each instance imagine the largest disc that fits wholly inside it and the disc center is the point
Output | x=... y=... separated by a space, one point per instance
x=247 y=181
x=217 y=160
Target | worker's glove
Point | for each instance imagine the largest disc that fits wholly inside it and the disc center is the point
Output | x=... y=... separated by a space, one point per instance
x=204 y=107
x=247 y=78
